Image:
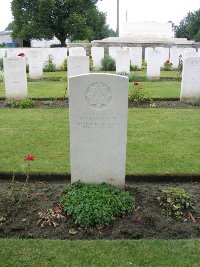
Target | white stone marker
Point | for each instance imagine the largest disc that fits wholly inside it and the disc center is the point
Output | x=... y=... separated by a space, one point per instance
x=190 y=86
x=77 y=65
x=123 y=61
x=35 y=64
x=15 y=77
x=164 y=55
x=113 y=51
x=136 y=56
x=175 y=53
x=77 y=51
x=97 y=56
x=153 y=64
x=98 y=108
x=190 y=54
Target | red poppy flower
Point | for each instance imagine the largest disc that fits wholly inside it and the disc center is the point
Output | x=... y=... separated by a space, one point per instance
x=29 y=157
x=21 y=55
x=136 y=83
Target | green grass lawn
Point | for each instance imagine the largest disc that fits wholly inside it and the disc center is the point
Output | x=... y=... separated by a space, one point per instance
x=52 y=88
x=160 y=141
x=58 y=253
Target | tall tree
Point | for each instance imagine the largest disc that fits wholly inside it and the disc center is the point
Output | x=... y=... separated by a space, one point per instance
x=64 y=19
x=190 y=26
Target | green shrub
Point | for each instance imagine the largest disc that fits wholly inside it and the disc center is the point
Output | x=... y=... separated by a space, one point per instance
x=167 y=65
x=11 y=103
x=27 y=68
x=175 y=202
x=64 y=65
x=134 y=68
x=1 y=63
x=49 y=66
x=95 y=205
x=137 y=94
x=108 y=63
x=133 y=77
x=26 y=103
x=193 y=102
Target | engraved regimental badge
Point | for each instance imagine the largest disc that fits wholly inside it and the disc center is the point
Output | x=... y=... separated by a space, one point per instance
x=98 y=95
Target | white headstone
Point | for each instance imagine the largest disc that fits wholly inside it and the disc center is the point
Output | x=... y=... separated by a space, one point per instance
x=77 y=65
x=175 y=53
x=98 y=107
x=35 y=64
x=164 y=54
x=97 y=56
x=153 y=65
x=15 y=77
x=136 y=56
x=77 y=51
x=146 y=52
x=190 y=86
x=123 y=61
x=190 y=54
x=113 y=51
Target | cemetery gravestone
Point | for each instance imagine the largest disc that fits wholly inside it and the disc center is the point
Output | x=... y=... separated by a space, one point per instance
x=97 y=56
x=77 y=51
x=153 y=64
x=190 y=86
x=15 y=77
x=35 y=64
x=123 y=61
x=113 y=51
x=136 y=56
x=77 y=65
x=98 y=107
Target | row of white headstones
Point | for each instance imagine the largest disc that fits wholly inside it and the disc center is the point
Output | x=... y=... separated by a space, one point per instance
x=78 y=63
x=98 y=109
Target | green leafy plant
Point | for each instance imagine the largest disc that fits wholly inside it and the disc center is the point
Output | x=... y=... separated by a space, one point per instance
x=108 y=63
x=28 y=159
x=175 y=202
x=49 y=65
x=11 y=103
x=137 y=94
x=48 y=103
x=26 y=103
x=134 y=67
x=27 y=68
x=64 y=65
x=1 y=63
x=167 y=65
x=95 y=205
x=193 y=102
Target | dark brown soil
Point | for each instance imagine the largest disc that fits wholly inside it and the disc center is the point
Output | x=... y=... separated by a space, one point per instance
x=61 y=103
x=146 y=221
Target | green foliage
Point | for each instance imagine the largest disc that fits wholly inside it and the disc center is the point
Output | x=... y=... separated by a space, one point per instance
x=49 y=66
x=1 y=63
x=64 y=65
x=175 y=202
x=108 y=63
x=63 y=19
x=167 y=65
x=137 y=94
x=189 y=26
x=11 y=103
x=95 y=205
x=2 y=45
x=27 y=68
x=193 y=102
x=133 y=77
x=26 y=103
x=9 y=27
x=133 y=68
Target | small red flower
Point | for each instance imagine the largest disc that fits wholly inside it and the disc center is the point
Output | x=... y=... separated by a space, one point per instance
x=21 y=55
x=136 y=83
x=29 y=157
